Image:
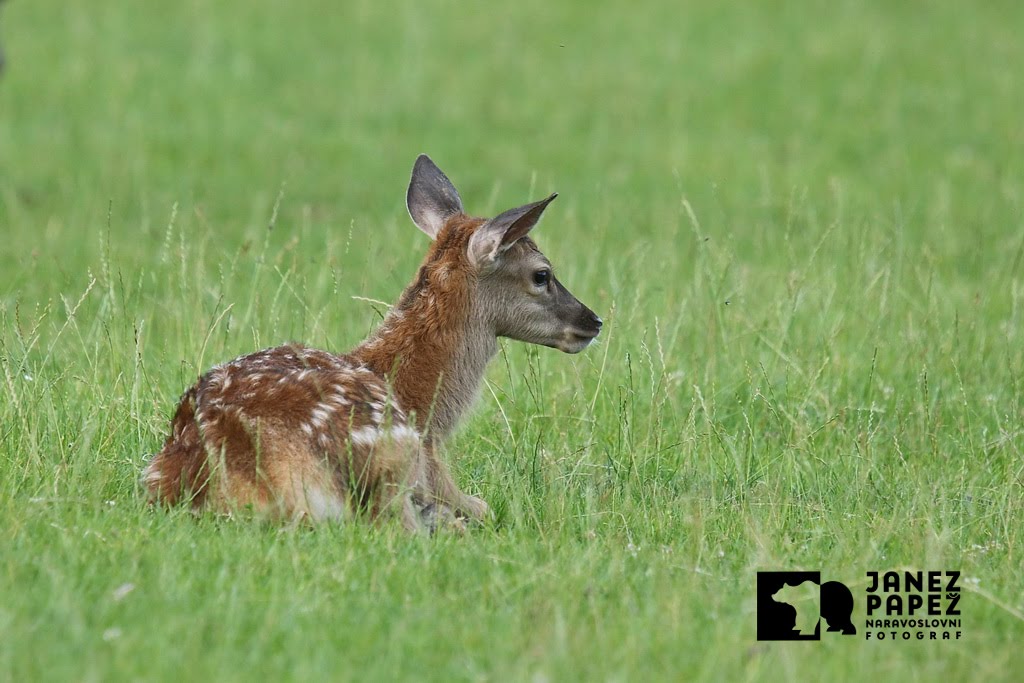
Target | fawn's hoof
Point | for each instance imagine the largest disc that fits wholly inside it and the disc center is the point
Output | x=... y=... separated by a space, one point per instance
x=475 y=508
x=439 y=517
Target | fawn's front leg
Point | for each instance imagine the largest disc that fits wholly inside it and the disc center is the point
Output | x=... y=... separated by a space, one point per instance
x=394 y=473
x=444 y=490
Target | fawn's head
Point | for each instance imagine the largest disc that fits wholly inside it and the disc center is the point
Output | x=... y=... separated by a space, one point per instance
x=514 y=290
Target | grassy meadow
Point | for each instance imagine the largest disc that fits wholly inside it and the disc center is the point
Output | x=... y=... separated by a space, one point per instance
x=803 y=224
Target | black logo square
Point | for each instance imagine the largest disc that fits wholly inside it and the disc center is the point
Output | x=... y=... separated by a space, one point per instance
x=778 y=618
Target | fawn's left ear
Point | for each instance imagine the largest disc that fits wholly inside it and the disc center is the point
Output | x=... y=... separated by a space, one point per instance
x=431 y=198
x=501 y=232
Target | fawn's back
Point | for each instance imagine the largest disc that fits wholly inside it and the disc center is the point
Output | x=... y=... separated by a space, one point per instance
x=292 y=405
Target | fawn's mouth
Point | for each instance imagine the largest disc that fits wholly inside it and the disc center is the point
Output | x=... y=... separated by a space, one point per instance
x=575 y=341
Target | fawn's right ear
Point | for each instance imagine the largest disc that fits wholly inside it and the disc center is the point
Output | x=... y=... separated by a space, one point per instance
x=431 y=199
x=501 y=232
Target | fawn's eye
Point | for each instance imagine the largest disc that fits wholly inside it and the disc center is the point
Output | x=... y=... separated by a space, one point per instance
x=541 y=277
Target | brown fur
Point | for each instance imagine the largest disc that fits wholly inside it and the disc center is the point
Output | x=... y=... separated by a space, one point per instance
x=426 y=338
x=299 y=432
x=273 y=431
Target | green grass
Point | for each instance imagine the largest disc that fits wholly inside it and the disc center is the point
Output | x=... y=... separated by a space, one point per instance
x=802 y=222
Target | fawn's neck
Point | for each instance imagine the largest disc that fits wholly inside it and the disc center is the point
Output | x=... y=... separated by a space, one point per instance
x=433 y=350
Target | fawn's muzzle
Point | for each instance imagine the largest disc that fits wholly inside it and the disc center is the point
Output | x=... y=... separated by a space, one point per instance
x=583 y=325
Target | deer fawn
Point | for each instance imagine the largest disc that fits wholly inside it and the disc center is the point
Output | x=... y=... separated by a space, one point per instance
x=300 y=432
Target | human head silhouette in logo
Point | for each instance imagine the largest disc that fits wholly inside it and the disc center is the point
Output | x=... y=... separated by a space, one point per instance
x=837 y=608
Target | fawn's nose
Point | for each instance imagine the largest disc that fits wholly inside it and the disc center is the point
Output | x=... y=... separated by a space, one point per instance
x=595 y=321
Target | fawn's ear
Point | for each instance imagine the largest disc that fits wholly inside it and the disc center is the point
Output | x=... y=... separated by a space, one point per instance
x=501 y=232
x=431 y=198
